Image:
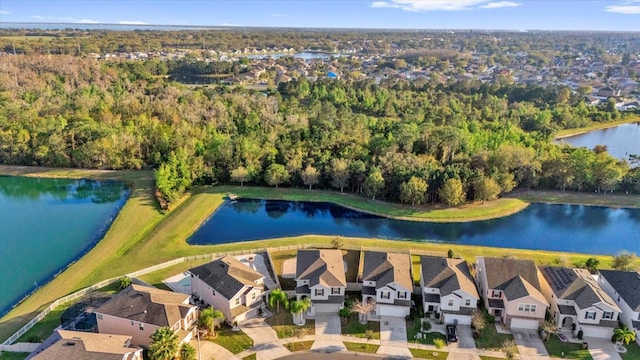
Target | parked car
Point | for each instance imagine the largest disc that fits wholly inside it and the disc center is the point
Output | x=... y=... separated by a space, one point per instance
x=452 y=333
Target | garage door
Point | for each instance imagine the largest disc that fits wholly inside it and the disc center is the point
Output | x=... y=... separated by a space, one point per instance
x=462 y=319
x=326 y=308
x=524 y=323
x=390 y=310
x=597 y=332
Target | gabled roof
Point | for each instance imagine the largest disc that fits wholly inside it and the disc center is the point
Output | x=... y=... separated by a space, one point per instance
x=75 y=345
x=516 y=278
x=577 y=285
x=448 y=275
x=324 y=267
x=227 y=275
x=386 y=268
x=627 y=284
x=147 y=305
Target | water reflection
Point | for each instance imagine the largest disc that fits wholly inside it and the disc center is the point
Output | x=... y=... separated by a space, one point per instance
x=540 y=226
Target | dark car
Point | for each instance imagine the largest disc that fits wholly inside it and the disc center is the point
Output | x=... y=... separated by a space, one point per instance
x=452 y=333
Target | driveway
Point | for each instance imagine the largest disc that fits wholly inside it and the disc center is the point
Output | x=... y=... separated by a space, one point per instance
x=465 y=338
x=265 y=339
x=602 y=349
x=328 y=334
x=393 y=337
x=530 y=346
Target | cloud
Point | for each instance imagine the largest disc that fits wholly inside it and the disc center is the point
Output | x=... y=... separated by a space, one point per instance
x=125 y=22
x=5 y=12
x=278 y=15
x=500 y=4
x=87 y=21
x=37 y=17
x=623 y=9
x=441 y=5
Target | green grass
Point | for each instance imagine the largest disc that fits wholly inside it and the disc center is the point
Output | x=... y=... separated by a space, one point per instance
x=354 y=328
x=284 y=327
x=556 y=348
x=595 y=126
x=361 y=347
x=428 y=354
x=13 y=356
x=633 y=352
x=234 y=341
x=491 y=339
x=299 y=346
x=436 y=213
x=413 y=327
x=578 y=198
x=253 y=356
x=41 y=331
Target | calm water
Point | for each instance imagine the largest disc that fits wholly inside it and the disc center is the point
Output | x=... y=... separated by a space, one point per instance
x=621 y=140
x=45 y=224
x=584 y=229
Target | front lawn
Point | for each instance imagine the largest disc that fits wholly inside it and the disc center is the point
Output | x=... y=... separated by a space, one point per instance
x=428 y=354
x=356 y=329
x=361 y=347
x=234 y=341
x=285 y=328
x=491 y=339
x=13 y=356
x=567 y=350
x=299 y=346
x=633 y=352
x=414 y=327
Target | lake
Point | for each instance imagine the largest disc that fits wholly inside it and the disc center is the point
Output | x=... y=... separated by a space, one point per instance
x=621 y=140
x=46 y=224
x=572 y=228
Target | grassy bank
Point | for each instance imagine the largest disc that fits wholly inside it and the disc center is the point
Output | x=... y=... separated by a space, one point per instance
x=578 y=198
x=434 y=213
x=595 y=126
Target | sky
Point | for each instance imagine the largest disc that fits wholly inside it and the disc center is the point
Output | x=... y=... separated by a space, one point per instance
x=616 y=15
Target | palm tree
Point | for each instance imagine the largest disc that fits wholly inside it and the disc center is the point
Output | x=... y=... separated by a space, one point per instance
x=297 y=308
x=210 y=318
x=187 y=352
x=278 y=297
x=164 y=344
x=363 y=309
x=124 y=282
x=624 y=335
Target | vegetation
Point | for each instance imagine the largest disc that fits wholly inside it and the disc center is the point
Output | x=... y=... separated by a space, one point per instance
x=428 y=338
x=361 y=347
x=210 y=319
x=427 y=354
x=124 y=282
x=633 y=352
x=164 y=344
x=491 y=339
x=187 y=352
x=356 y=328
x=234 y=341
x=276 y=298
x=569 y=350
x=285 y=328
x=299 y=346
x=13 y=356
x=624 y=260
x=253 y=356
x=624 y=335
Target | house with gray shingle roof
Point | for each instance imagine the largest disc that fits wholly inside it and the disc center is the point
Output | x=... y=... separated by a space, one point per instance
x=624 y=289
x=320 y=276
x=448 y=289
x=387 y=282
x=76 y=345
x=512 y=291
x=230 y=286
x=138 y=311
x=579 y=303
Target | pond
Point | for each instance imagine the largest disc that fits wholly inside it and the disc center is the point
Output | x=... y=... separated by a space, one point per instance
x=621 y=140
x=46 y=224
x=572 y=228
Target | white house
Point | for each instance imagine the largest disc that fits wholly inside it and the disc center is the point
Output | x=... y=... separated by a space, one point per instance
x=320 y=275
x=138 y=311
x=230 y=286
x=387 y=281
x=448 y=289
x=512 y=291
x=579 y=303
x=624 y=289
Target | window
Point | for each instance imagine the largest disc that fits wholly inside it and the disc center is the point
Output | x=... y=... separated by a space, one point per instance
x=590 y=315
x=495 y=293
x=99 y=316
x=467 y=302
x=385 y=295
x=451 y=302
x=335 y=291
x=319 y=292
x=527 y=307
x=607 y=315
x=253 y=296
x=237 y=301
x=402 y=294
x=141 y=326
x=213 y=291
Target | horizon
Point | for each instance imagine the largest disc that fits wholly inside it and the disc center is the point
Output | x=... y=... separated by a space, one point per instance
x=496 y=15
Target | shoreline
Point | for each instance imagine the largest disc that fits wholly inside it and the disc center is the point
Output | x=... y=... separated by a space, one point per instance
x=563 y=134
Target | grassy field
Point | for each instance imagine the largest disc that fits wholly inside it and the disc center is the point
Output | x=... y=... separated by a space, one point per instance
x=142 y=235
x=284 y=327
x=490 y=339
x=568 y=350
x=355 y=328
x=578 y=198
x=299 y=346
x=595 y=126
x=361 y=347
x=428 y=354
x=13 y=356
x=234 y=341
x=633 y=352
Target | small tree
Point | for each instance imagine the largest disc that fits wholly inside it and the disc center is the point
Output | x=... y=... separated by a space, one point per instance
x=374 y=183
x=187 y=352
x=210 y=319
x=624 y=260
x=339 y=172
x=438 y=343
x=413 y=191
x=298 y=308
x=510 y=349
x=592 y=264
x=362 y=309
x=276 y=174
x=124 y=282
x=452 y=192
x=450 y=253
x=478 y=323
x=337 y=243
x=240 y=174
x=624 y=335
x=344 y=313
x=164 y=344
x=310 y=176
x=278 y=297
x=486 y=189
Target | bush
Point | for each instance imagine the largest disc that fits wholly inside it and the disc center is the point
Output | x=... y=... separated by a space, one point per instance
x=369 y=334
x=439 y=343
x=426 y=326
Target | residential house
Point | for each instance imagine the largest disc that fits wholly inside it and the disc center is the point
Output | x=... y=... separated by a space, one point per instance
x=387 y=282
x=76 y=345
x=578 y=302
x=137 y=311
x=230 y=286
x=608 y=92
x=320 y=275
x=512 y=291
x=448 y=288
x=624 y=288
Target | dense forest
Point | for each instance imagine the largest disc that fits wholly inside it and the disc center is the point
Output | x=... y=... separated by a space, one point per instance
x=410 y=141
